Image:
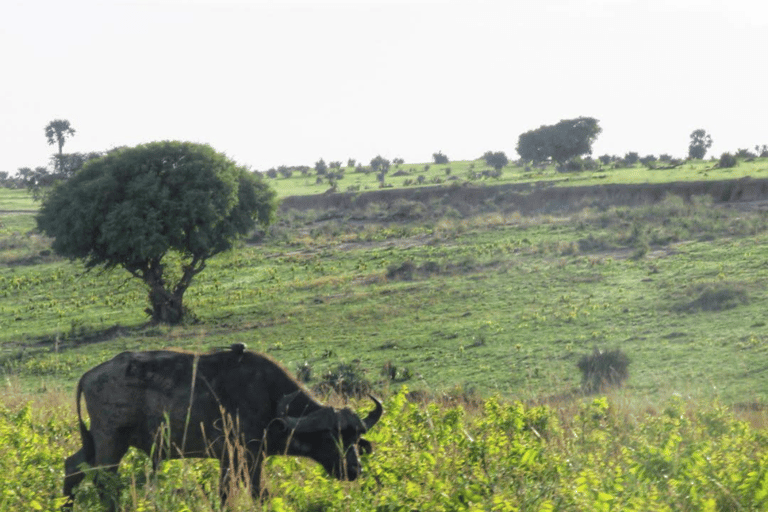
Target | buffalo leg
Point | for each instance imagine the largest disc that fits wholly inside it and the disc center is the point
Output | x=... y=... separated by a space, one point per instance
x=73 y=475
x=109 y=452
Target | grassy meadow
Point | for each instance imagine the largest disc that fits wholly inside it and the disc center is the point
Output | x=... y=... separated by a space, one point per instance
x=470 y=327
x=477 y=172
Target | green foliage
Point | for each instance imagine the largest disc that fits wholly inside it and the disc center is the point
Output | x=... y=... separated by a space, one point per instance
x=496 y=159
x=602 y=370
x=425 y=291
x=701 y=141
x=727 y=161
x=136 y=208
x=496 y=455
x=565 y=140
x=439 y=158
x=57 y=132
x=631 y=158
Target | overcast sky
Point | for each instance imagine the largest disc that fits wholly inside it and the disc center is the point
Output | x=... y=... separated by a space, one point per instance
x=275 y=82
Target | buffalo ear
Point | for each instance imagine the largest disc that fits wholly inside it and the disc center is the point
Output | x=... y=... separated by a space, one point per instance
x=364 y=446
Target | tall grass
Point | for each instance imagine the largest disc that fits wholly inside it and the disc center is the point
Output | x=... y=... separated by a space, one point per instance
x=596 y=454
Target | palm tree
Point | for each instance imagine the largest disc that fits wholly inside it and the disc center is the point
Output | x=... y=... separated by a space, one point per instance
x=57 y=131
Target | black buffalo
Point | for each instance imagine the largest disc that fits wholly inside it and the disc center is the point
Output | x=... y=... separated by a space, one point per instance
x=176 y=404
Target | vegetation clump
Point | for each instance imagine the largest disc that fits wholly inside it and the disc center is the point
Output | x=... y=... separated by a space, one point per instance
x=727 y=161
x=601 y=370
x=715 y=297
x=347 y=380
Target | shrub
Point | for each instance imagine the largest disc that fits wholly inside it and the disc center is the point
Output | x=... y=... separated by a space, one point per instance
x=321 y=167
x=439 y=158
x=346 y=379
x=572 y=165
x=715 y=297
x=631 y=158
x=601 y=370
x=648 y=161
x=727 y=160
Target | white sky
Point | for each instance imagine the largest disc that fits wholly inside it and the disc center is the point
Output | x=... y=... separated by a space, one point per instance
x=289 y=82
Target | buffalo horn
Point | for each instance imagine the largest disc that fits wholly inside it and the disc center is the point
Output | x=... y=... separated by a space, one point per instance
x=374 y=415
x=285 y=402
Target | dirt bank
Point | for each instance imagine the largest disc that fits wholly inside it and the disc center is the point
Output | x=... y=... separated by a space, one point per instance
x=539 y=197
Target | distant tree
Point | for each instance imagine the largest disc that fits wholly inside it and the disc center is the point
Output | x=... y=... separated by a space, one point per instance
x=560 y=142
x=380 y=164
x=665 y=157
x=351 y=162
x=700 y=143
x=321 y=167
x=648 y=161
x=70 y=163
x=334 y=165
x=631 y=158
x=745 y=154
x=272 y=173
x=57 y=132
x=497 y=159
x=398 y=161
x=145 y=207
x=439 y=158
x=41 y=179
x=605 y=159
x=36 y=180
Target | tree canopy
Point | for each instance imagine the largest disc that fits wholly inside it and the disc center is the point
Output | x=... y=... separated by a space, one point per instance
x=560 y=142
x=57 y=132
x=496 y=159
x=700 y=143
x=134 y=207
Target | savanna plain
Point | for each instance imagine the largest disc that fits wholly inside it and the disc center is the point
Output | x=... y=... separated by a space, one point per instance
x=469 y=323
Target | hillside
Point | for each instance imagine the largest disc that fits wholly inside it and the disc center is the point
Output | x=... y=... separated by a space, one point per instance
x=468 y=309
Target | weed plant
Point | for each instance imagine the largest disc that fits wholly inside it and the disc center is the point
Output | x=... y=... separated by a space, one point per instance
x=596 y=454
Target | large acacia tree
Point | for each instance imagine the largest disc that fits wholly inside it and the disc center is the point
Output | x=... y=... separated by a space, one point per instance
x=141 y=208
x=562 y=141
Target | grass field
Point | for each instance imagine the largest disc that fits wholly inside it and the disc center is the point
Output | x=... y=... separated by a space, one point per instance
x=426 y=174
x=473 y=313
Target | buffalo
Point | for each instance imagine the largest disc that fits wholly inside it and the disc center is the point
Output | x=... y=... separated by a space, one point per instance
x=233 y=405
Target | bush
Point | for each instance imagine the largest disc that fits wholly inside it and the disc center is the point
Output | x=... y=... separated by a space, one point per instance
x=439 y=158
x=716 y=297
x=601 y=370
x=727 y=160
x=346 y=379
x=572 y=165
x=631 y=158
x=649 y=161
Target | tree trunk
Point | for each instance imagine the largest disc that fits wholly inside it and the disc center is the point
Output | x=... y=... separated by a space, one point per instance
x=167 y=308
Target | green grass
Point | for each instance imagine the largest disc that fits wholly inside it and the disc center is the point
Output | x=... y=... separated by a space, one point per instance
x=463 y=171
x=483 y=316
x=493 y=304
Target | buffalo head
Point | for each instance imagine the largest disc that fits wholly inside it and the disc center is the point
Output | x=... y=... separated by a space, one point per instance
x=332 y=437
